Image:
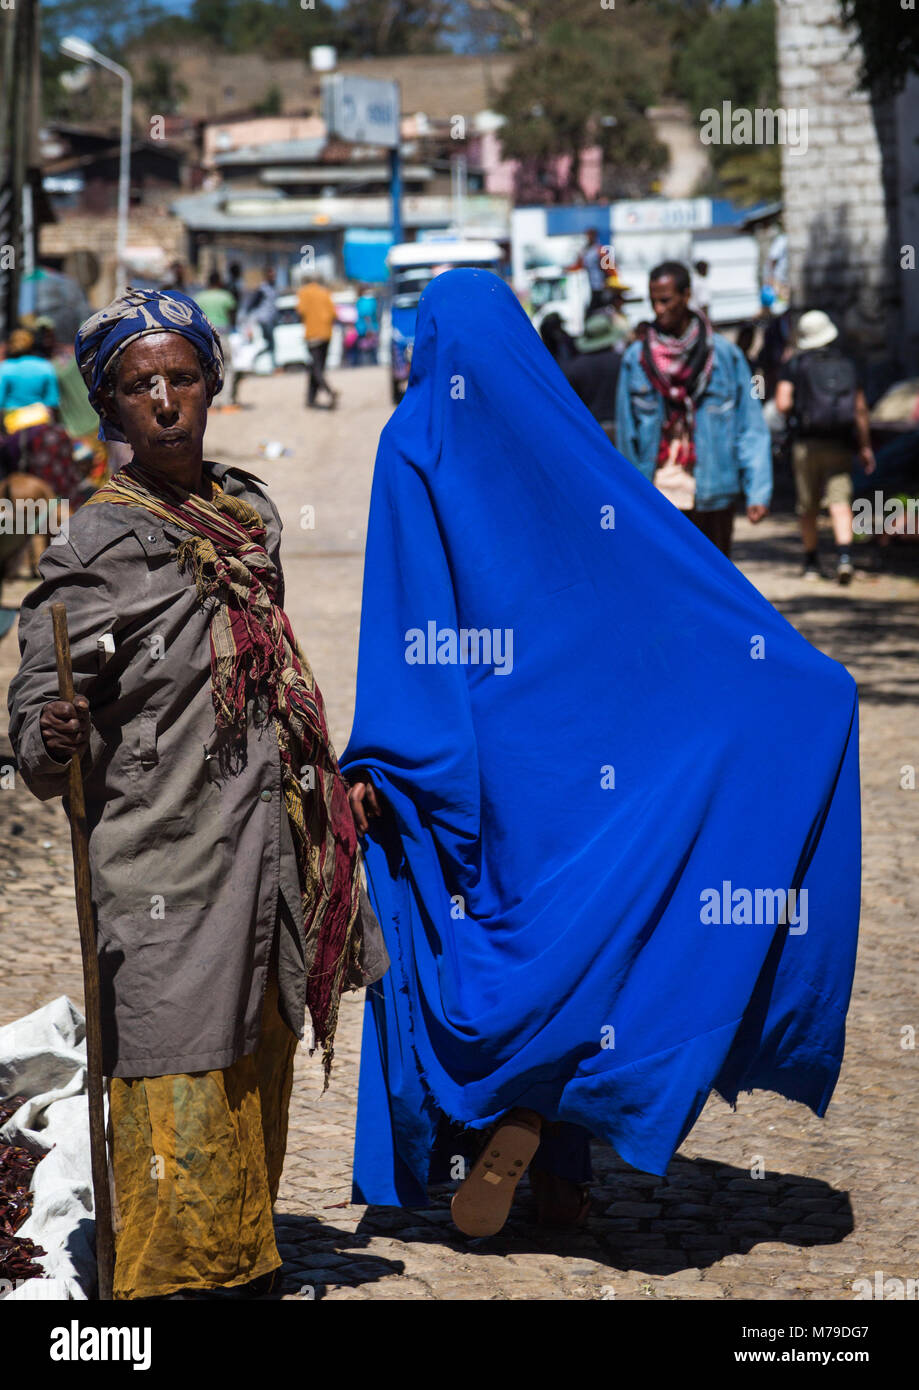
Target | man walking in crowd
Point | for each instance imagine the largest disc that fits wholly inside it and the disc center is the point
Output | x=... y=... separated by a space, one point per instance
x=263 y=308
x=236 y=287
x=820 y=394
x=218 y=305
x=227 y=892
x=775 y=349
x=686 y=415
x=701 y=288
x=594 y=373
x=558 y=340
x=368 y=325
x=316 y=308
x=592 y=259
x=175 y=280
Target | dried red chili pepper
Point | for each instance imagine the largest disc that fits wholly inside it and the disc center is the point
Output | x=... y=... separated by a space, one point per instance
x=16 y=1168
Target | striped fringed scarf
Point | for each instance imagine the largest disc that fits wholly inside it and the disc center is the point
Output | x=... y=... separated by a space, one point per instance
x=680 y=369
x=255 y=655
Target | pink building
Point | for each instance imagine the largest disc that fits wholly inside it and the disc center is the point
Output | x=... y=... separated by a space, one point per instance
x=500 y=174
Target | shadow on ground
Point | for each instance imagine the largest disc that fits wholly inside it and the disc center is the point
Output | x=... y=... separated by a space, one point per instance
x=701 y=1212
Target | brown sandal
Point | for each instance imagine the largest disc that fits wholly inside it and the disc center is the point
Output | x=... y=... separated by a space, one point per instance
x=482 y=1203
x=560 y=1204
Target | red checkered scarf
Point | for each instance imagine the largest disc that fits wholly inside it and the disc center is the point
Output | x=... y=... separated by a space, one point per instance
x=680 y=369
x=255 y=657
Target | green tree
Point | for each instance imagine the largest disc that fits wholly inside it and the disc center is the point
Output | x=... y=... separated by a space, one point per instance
x=158 y=89
x=747 y=176
x=574 y=89
x=293 y=31
x=484 y=25
x=92 y=20
x=377 y=27
x=730 y=55
x=213 y=20
x=272 y=103
x=278 y=28
x=889 y=36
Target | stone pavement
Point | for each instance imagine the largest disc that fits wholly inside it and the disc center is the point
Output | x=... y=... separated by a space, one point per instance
x=838 y=1200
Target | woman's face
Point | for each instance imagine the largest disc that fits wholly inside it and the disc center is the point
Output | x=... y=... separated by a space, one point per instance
x=160 y=401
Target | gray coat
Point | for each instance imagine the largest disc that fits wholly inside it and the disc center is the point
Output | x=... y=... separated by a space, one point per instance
x=187 y=862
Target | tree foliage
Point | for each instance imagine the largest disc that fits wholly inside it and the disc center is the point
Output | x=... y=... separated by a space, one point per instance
x=889 y=37
x=277 y=28
x=585 y=74
x=158 y=87
x=272 y=103
x=730 y=55
x=285 y=28
x=93 y=20
x=577 y=88
x=379 y=27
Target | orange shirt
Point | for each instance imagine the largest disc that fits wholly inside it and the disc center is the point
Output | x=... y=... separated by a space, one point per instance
x=316 y=308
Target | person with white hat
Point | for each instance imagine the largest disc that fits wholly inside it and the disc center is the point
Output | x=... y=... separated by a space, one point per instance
x=820 y=392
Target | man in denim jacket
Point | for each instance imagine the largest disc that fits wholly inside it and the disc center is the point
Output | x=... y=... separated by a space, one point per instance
x=687 y=416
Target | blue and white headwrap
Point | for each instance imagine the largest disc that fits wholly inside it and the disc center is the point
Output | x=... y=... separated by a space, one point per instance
x=106 y=334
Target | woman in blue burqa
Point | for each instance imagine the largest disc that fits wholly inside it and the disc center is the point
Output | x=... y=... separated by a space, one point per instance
x=610 y=797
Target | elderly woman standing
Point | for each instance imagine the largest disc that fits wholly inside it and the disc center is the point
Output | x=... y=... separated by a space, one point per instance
x=225 y=866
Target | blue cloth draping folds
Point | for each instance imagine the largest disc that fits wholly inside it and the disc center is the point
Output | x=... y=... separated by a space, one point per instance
x=619 y=861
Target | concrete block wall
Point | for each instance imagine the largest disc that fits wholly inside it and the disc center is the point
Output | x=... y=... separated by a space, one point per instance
x=842 y=194
x=148 y=226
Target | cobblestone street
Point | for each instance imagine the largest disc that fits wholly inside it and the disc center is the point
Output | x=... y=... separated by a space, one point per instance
x=839 y=1198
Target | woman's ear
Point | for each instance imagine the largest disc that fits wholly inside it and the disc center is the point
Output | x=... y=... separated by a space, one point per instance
x=107 y=409
x=210 y=380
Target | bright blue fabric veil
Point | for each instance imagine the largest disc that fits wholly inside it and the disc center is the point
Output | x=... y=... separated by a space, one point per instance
x=589 y=828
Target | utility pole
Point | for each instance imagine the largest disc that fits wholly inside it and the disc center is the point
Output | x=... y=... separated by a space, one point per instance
x=74 y=47
x=395 y=171
x=458 y=186
x=19 y=121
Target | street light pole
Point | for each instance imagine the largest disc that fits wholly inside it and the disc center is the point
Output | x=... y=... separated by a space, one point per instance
x=73 y=47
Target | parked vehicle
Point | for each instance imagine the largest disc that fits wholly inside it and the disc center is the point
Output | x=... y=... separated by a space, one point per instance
x=290 y=348
x=563 y=292
x=412 y=266
x=250 y=346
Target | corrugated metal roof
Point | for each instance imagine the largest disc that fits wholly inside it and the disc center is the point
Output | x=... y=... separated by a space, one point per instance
x=274 y=152
x=345 y=173
x=269 y=211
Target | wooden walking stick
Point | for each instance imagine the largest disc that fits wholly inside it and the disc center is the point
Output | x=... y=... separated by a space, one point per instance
x=102 y=1203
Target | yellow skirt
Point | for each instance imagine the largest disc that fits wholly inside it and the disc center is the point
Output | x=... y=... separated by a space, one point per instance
x=196 y=1165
